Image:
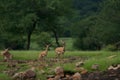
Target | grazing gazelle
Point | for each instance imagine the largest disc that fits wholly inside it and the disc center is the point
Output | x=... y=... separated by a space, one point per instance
x=60 y=50
x=44 y=53
x=7 y=56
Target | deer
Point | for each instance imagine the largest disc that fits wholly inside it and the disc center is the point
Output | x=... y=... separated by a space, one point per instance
x=7 y=56
x=60 y=50
x=44 y=53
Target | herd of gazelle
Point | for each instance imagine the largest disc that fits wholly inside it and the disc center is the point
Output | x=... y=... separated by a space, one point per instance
x=59 y=51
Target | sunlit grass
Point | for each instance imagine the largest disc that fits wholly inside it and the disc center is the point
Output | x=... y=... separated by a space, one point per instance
x=91 y=57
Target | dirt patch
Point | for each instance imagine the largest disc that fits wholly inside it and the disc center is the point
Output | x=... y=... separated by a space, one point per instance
x=105 y=75
x=96 y=75
x=111 y=74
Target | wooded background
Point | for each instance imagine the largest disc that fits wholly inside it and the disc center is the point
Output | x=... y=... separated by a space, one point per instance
x=92 y=24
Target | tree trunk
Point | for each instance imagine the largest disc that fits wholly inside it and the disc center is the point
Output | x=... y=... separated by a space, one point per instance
x=29 y=35
x=56 y=37
x=28 y=41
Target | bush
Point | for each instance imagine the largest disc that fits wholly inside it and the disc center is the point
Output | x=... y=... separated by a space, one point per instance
x=110 y=48
x=16 y=42
x=87 y=43
x=43 y=39
x=78 y=44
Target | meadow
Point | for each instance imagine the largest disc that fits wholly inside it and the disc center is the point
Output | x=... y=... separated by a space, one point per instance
x=103 y=58
x=68 y=61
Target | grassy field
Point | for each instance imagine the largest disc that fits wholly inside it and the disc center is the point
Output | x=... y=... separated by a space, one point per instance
x=89 y=58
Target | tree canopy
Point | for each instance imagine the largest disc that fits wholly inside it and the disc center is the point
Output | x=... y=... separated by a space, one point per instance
x=92 y=23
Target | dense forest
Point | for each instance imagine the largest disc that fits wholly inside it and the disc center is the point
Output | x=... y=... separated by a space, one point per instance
x=93 y=24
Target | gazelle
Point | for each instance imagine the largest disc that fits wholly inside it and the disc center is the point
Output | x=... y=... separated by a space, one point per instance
x=7 y=56
x=60 y=50
x=44 y=53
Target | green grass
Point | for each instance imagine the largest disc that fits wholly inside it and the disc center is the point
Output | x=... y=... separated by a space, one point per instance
x=90 y=58
x=4 y=77
x=69 y=41
x=25 y=55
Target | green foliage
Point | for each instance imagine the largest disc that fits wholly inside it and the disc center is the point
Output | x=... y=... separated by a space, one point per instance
x=87 y=43
x=26 y=23
x=87 y=7
x=86 y=37
x=100 y=29
x=30 y=16
x=43 y=39
x=8 y=41
x=110 y=48
x=93 y=23
x=108 y=22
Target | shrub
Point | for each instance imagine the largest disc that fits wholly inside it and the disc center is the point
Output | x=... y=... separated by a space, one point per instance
x=110 y=48
x=87 y=43
x=78 y=44
x=43 y=39
x=16 y=43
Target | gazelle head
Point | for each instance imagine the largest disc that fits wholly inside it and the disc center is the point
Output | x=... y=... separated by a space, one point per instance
x=47 y=45
x=63 y=43
x=5 y=51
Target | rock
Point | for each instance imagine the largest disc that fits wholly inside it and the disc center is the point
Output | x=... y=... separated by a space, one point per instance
x=50 y=79
x=79 y=64
x=68 y=77
x=50 y=76
x=30 y=74
x=19 y=75
x=59 y=71
x=118 y=66
x=27 y=75
x=57 y=77
x=95 y=67
x=81 y=70
x=76 y=76
x=84 y=71
x=114 y=68
x=110 y=67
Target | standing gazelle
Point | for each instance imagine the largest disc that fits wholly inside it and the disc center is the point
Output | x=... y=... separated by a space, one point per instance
x=7 y=56
x=44 y=53
x=60 y=50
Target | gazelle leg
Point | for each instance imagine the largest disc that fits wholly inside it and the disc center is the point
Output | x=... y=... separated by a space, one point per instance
x=56 y=56
x=10 y=57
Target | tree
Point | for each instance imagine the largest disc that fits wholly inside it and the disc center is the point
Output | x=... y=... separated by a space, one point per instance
x=28 y=15
x=52 y=14
x=86 y=38
x=100 y=29
x=108 y=22
x=9 y=16
x=28 y=24
x=44 y=39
